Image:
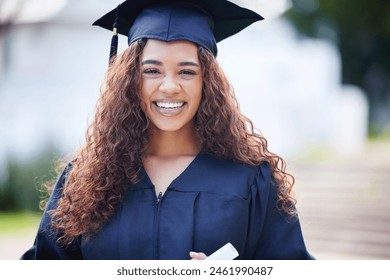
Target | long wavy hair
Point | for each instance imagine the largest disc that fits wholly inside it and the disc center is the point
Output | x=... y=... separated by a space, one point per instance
x=119 y=135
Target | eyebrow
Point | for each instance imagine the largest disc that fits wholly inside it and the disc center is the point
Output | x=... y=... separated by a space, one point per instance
x=188 y=63
x=159 y=63
x=151 y=61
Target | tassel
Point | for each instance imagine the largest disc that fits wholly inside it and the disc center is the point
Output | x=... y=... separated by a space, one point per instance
x=114 y=44
x=114 y=40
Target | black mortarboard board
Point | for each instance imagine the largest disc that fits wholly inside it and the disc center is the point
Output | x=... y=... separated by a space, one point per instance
x=204 y=22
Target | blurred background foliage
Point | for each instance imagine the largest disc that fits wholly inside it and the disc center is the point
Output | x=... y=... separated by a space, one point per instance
x=361 y=31
x=23 y=187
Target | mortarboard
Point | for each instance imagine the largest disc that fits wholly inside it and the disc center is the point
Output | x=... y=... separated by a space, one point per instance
x=204 y=22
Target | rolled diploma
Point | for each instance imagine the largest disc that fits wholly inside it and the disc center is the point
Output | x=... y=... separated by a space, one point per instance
x=226 y=252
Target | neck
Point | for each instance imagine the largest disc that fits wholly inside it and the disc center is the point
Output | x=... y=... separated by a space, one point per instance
x=173 y=144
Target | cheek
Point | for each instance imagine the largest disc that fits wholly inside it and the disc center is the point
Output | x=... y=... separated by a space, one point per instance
x=195 y=88
x=199 y=92
x=145 y=95
x=144 y=103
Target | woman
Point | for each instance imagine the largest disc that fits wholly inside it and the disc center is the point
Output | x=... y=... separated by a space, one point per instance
x=171 y=169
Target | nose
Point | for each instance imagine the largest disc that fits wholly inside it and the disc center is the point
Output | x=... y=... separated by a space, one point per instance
x=170 y=85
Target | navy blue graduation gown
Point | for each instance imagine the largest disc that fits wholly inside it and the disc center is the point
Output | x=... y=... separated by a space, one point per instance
x=214 y=201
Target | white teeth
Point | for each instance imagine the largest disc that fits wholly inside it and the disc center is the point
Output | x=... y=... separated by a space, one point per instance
x=169 y=105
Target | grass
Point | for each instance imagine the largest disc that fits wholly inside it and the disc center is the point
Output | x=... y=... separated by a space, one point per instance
x=18 y=222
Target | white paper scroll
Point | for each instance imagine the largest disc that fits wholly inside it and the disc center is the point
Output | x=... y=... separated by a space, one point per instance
x=227 y=252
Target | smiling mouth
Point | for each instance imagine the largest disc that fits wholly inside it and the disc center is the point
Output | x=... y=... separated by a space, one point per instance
x=169 y=105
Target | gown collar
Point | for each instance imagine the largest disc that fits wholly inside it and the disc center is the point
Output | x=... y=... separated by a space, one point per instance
x=146 y=183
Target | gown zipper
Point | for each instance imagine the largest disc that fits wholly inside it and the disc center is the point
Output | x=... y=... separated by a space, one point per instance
x=159 y=198
x=156 y=226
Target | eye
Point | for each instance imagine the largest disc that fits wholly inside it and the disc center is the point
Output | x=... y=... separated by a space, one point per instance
x=187 y=72
x=151 y=71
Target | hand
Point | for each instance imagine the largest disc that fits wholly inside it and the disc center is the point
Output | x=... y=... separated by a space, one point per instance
x=197 y=256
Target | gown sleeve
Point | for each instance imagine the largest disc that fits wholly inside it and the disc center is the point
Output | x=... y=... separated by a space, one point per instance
x=45 y=246
x=274 y=234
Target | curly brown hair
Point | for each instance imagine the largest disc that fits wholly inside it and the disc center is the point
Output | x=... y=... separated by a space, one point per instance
x=119 y=136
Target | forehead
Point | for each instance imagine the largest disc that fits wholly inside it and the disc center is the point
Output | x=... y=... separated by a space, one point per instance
x=179 y=50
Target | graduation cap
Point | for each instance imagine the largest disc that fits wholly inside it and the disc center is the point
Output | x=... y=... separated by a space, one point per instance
x=204 y=22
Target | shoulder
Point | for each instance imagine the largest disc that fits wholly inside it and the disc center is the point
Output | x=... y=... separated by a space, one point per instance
x=228 y=176
x=220 y=166
x=58 y=188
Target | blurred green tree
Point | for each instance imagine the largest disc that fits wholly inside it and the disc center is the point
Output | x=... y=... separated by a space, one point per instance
x=361 y=31
x=22 y=187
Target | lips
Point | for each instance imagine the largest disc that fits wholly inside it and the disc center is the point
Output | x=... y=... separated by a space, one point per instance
x=169 y=108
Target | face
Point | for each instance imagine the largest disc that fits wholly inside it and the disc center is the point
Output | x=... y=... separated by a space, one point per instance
x=171 y=84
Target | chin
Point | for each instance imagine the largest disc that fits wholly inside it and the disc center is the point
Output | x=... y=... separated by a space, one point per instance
x=167 y=128
x=172 y=126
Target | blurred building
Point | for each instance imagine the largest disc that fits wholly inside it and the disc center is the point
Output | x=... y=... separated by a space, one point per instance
x=50 y=79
